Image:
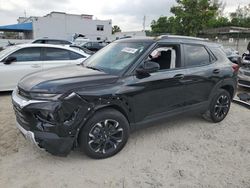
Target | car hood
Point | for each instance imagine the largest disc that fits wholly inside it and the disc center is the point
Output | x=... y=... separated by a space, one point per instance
x=61 y=79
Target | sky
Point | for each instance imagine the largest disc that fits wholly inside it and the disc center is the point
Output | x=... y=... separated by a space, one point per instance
x=127 y=14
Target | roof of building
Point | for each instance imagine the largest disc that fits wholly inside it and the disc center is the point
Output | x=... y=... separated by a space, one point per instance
x=17 y=27
x=225 y=30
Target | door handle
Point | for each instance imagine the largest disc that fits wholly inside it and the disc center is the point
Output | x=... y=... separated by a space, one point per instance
x=179 y=76
x=35 y=66
x=216 y=71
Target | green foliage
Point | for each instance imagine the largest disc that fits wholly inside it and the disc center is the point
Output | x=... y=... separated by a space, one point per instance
x=116 y=29
x=192 y=16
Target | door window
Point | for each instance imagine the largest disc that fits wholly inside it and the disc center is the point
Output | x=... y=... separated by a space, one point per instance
x=53 y=54
x=74 y=56
x=196 y=55
x=27 y=54
x=168 y=57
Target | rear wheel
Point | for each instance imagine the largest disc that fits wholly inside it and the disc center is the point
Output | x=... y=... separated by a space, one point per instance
x=105 y=134
x=219 y=106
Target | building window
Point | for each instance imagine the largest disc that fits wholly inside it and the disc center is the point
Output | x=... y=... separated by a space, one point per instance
x=100 y=27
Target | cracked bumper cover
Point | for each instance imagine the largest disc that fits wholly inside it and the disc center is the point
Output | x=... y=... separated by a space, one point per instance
x=51 y=125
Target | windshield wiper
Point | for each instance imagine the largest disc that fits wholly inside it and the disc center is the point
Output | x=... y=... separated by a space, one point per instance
x=94 y=68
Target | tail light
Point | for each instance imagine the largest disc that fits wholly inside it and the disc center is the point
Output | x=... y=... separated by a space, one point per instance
x=235 y=67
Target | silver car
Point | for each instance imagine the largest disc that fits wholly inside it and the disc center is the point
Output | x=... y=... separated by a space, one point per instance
x=244 y=74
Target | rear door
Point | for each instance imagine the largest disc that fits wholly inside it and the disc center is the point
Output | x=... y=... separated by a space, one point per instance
x=28 y=60
x=201 y=73
x=54 y=57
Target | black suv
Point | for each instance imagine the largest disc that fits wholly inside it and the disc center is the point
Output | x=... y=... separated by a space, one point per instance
x=129 y=83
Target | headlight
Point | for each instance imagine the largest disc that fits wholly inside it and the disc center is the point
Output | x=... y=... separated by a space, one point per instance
x=45 y=96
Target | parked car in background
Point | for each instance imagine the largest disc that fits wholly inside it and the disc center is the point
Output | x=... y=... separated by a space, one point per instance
x=94 y=46
x=244 y=74
x=233 y=55
x=85 y=50
x=128 y=84
x=20 y=60
x=52 y=41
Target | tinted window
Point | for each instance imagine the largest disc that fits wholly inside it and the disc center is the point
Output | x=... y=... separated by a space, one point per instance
x=56 y=54
x=27 y=54
x=196 y=55
x=57 y=42
x=74 y=55
x=39 y=41
x=219 y=53
x=88 y=44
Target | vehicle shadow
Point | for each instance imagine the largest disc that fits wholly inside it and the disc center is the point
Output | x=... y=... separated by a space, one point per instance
x=149 y=130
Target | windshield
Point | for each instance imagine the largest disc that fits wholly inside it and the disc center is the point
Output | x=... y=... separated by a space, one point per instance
x=116 y=57
x=8 y=50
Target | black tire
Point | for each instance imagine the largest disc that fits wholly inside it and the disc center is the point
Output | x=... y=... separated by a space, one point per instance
x=105 y=134
x=219 y=106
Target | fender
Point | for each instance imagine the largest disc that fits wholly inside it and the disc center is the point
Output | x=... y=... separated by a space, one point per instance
x=221 y=84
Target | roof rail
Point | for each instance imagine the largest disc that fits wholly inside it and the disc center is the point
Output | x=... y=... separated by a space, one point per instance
x=180 y=37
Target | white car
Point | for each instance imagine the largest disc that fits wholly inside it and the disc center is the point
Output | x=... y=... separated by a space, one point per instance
x=20 y=60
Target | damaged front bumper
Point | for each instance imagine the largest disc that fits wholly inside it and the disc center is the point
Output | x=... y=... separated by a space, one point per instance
x=51 y=125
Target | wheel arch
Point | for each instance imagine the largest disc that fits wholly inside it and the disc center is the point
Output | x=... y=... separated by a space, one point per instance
x=230 y=89
x=229 y=85
x=115 y=107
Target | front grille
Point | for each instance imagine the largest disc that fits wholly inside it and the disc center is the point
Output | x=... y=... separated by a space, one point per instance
x=23 y=93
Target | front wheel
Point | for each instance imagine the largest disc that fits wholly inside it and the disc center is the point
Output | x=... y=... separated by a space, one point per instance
x=105 y=134
x=219 y=106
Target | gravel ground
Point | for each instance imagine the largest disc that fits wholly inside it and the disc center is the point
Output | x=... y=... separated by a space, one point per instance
x=182 y=152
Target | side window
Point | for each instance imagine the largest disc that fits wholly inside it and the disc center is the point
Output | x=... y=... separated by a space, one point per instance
x=56 y=54
x=88 y=44
x=168 y=57
x=27 y=54
x=196 y=55
x=39 y=41
x=53 y=42
x=100 y=27
x=74 y=56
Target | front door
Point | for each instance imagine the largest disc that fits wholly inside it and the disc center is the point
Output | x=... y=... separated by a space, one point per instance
x=27 y=61
x=161 y=91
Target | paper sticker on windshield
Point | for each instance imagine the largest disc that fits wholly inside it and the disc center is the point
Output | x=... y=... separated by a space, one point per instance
x=129 y=50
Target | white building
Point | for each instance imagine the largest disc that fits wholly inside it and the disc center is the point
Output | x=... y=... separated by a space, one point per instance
x=60 y=25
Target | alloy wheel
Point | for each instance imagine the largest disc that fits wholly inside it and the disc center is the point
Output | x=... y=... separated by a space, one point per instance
x=105 y=136
x=222 y=106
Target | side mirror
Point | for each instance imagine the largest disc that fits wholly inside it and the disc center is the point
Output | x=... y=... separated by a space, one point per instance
x=9 y=60
x=148 y=67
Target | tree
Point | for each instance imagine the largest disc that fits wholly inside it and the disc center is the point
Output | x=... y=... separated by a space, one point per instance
x=116 y=29
x=165 y=25
x=193 y=15
x=241 y=17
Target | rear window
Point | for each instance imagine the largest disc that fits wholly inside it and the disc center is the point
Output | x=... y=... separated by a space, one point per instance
x=56 y=54
x=74 y=56
x=196 y=55
x=219 y=53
